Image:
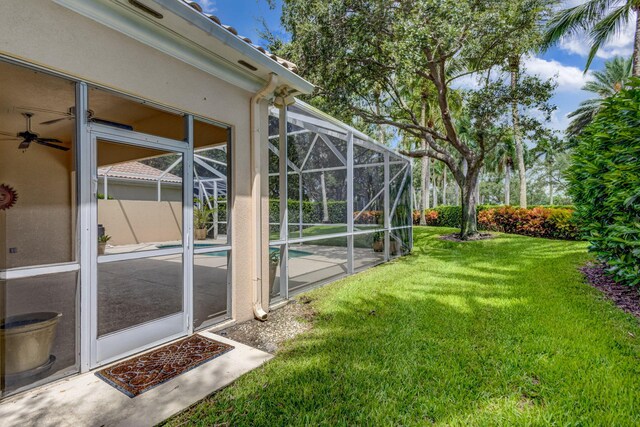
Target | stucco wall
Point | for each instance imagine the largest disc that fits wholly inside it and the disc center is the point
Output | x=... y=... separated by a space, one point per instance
x=41 y=223
x=135 y=221
x=44 y=33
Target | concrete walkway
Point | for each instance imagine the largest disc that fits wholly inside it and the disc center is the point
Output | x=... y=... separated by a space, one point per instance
x=86 y=400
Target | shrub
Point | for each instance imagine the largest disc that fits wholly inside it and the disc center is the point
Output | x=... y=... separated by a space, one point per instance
x=604 y=180
x=445 y=216
x=449 y=216
x=431 y=216
x=536 y=222
x=555 y=223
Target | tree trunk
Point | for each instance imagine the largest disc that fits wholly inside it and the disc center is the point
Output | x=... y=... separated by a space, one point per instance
x=522 y=172
x=424 y=186
x=444 y=186
x=459 y=192
x=636 y=46
x=507 y=185
x=469 y=226
x=478 y=187
x=325 y=206
x=434 y=188
x=550 y=185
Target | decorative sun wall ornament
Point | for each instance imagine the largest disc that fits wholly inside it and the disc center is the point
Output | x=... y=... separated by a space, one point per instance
x=8 y=197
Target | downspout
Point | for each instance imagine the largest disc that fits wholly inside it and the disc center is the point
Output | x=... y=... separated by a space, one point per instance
x=256 y=193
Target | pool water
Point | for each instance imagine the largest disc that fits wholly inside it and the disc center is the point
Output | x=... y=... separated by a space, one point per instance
x=293 y=253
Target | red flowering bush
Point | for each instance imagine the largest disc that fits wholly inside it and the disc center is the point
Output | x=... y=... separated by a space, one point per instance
x=536 y=222
x=369 y=217
x=431 y=216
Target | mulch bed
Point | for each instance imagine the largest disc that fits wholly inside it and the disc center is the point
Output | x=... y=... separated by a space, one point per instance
x=139 y=374
x=455 y=237
x=283 y=324
x=625 y=297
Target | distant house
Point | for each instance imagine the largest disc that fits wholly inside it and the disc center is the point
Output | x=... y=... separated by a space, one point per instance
x=137 y=181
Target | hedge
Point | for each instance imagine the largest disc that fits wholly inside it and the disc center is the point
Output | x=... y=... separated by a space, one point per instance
x=312 y=212
x=540 y=221
x=604 y=180
x=445 y=216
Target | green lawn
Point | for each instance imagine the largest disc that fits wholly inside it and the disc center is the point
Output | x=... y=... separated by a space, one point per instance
x=497 y=332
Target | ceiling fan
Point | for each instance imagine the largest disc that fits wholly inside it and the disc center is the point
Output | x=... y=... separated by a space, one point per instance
x=71 y=114
x=28 y=136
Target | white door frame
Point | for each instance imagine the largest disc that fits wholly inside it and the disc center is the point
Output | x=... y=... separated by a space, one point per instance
x=137 y=338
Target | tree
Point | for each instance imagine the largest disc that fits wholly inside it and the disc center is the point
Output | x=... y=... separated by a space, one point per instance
x=550 y=149
x=514 y=68
x=502 y=162
x=528 y=42
x=362 y=51
x=607 y=83
x=602 y=19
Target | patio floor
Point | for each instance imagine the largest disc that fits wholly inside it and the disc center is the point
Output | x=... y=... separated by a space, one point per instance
x=136 y=291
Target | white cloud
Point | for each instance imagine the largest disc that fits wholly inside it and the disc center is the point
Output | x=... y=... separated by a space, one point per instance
x=209 y=6
x=470 y=81
x=620 y=44
x=559 y=121
x=568 y=78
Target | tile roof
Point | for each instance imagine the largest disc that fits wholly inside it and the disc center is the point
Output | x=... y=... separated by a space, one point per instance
x=283 y=62
x=136 y=170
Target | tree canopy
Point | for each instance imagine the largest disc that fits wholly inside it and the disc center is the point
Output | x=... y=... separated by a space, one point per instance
x=377 y=60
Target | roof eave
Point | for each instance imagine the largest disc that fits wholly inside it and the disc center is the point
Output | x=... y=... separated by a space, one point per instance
x=191 y=37
x=193 y=17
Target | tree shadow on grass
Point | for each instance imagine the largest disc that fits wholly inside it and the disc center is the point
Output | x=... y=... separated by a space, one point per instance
x=452 y=335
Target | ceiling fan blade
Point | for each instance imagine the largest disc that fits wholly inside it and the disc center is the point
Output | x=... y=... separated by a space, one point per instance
x=46 y=144
x=50 y=140
x=43 y=110
x=24 y=145
x=8 y=134
x=50 y=122
x=8 y=139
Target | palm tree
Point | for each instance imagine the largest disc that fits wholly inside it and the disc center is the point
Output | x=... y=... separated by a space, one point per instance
x=514 y=66
x=607 y=83
x=602 y=19
x=502 y=161
x=430 y=117
x=550 y=148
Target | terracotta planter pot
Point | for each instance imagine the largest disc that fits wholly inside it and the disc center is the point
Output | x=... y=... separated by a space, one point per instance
x=200 y=233
x=102 y=247
x=27 y=340
x=378 y=246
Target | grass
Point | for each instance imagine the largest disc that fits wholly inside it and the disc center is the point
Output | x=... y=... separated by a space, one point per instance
x=496 y=332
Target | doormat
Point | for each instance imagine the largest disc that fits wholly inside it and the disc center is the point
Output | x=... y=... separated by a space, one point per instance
x=144 y=372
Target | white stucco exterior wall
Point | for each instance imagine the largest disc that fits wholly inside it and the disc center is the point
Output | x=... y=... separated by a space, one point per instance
x=43 y=33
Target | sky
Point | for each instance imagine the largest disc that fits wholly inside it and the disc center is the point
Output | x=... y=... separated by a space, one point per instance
x=565 y=62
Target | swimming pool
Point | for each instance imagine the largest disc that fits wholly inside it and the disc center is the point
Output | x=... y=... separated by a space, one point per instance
x=293 y=253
